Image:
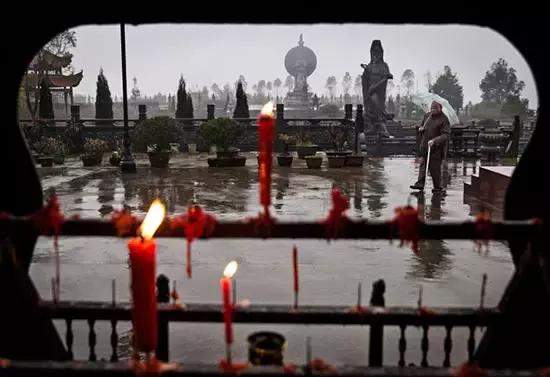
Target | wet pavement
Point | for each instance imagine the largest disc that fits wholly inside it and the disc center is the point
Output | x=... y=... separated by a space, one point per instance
x=450 y=271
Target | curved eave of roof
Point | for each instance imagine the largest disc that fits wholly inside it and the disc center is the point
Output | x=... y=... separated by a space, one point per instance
x=58 y=81
x=45 y=60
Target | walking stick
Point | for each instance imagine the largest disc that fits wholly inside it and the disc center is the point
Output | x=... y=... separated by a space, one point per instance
x=428 y=161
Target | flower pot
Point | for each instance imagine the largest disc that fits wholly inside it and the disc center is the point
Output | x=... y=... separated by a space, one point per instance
x=314 y=162
x=266 y=348
x=159 y=159
x=227 y=162
x=306 y=150
x=338 y=153
x=355 y=160
x=92 y=159
x=45 y=162
x=229 y=153
x=59 y=159
x=192 y=148
x=115 y=159
x=285 y=160
x=336 y=161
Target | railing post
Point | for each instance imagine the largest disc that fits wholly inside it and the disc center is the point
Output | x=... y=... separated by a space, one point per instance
x=376 y=340
x=280 y=127
x=163 y=296
x=142 y=112
x=359 y=126
x=210 y=109
x=75 y=114
x=348 y=109
x=516 y=131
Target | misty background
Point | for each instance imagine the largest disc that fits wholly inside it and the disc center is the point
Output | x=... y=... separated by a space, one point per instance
x=218 y=53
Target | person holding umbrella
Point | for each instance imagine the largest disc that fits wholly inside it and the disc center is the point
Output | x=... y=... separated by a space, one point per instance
x=433 y=130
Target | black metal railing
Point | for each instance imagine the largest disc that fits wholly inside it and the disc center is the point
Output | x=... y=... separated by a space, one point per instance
x=375 y=317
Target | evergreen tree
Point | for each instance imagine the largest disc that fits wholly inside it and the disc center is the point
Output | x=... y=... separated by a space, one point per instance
x=189 y=107
x=103 y=100
x=46 y=106
x=241 y=107
x=182 y=100
x=500 y=82
x=447 y=86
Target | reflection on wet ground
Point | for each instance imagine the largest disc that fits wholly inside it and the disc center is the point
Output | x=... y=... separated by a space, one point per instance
x=450 y=271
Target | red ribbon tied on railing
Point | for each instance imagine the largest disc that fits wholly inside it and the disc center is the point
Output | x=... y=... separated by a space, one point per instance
x=195 y=223
x=336 y=219
x=469 y=370
x=408 y=224
x=49 y=218
x=124 y=222
x=483 y=227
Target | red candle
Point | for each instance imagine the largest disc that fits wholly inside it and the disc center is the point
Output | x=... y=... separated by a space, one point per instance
x=143 y=272
x=225 y=284
x=266 y=130
x=295 y=265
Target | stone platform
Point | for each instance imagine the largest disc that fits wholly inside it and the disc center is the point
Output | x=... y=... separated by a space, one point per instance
x=488 y=188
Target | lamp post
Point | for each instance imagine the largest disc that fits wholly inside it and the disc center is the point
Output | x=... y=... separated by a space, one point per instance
x=127 y=164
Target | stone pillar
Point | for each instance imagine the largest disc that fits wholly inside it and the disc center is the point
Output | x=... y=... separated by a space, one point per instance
x=210 y=109
x=75 y=113
x=280 y=127
x=473 y=123
x=359 y=126
x=142 y=112
x=348 y=109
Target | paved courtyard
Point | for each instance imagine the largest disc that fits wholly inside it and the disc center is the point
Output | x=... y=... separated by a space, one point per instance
x=450 y=271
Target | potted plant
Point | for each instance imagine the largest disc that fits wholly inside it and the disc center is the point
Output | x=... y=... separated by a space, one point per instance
x=154 y=136
x=60 y=151
x=304 y=146
x=337 y=156
x=93 y=151
x=46 y=148
x=223 y=133
x=314 y=162
x=285 y=158
x=115 y=158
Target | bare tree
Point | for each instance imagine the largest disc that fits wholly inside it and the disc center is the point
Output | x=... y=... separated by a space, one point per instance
x=407 y=79
x=277 y=84
x=61 y=43
x=331 y=86
x=346 y=83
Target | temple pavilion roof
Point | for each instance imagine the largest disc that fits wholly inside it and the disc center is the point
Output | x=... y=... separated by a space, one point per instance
x=48 y=61
x=56 y=81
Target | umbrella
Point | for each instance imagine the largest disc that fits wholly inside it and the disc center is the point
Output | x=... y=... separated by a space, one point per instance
x=424 y=101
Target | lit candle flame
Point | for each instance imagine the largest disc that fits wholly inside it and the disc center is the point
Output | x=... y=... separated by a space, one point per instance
x=267 y=109
x=230 y=269
x=152 y=220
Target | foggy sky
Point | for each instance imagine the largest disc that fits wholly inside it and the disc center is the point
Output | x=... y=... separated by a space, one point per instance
x=204 y=54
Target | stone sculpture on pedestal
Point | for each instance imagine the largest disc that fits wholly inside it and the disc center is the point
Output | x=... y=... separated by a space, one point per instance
x=374 y=80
